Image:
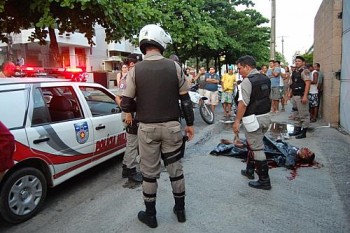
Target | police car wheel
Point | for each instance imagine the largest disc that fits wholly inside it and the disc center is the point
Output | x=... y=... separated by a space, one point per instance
x=22 y=195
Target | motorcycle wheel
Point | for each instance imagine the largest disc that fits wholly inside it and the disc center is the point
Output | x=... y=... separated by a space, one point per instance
x=206 y=113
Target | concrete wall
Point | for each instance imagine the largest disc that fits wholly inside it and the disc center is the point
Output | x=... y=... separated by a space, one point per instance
x=327 y=52
x=345 y=70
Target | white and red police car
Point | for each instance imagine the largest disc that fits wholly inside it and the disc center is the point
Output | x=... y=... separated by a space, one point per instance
x=61 y=128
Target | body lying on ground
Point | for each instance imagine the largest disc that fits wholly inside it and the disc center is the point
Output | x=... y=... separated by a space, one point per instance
x=280 y=152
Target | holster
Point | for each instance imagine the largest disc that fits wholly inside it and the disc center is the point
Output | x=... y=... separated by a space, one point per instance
x=171 y=157
x=132 y=129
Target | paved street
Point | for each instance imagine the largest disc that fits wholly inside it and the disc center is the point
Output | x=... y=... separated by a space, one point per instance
x=218 y=198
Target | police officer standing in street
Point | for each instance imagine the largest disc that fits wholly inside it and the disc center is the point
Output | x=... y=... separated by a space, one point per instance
x=254 y=105
x=300 y=87
x=130 y=160
x=158 y=84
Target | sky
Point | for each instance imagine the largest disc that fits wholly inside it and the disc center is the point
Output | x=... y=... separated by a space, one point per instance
x=297 y=29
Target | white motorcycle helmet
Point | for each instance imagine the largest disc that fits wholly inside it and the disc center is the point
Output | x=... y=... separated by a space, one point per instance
x=153 y=34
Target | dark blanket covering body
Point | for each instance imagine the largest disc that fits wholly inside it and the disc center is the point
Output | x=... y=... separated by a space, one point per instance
x=282 y=153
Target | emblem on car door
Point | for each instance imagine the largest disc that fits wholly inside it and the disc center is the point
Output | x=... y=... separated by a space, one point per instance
x=81 y=132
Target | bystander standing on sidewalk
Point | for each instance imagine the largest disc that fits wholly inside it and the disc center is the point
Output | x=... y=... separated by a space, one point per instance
x=313 y=93
x=228 y=83
x=317 y=67
x=200 y=80
x=211 y=88
x=274 y=74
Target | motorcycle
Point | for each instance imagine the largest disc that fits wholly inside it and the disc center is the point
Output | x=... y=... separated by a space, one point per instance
x=201 y=102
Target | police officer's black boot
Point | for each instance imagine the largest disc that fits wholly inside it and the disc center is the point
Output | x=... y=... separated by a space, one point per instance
x=264 y=180
x=148 y=217
x=249 y=171
x=179 y=209
x=125 y=171
x=296 y=131
x=302 y=134
x=134 y=175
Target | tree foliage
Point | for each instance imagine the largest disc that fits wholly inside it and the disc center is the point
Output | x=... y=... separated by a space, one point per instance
x=211 y=29
x=207 y=29
x=309 y=57
x=121 y=19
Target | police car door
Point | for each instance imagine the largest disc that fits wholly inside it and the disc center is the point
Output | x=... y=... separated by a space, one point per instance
x=59 y=132
x=14 y=101
x=109 y=134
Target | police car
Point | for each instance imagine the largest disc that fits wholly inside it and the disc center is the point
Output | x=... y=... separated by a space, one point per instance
x=61 y=128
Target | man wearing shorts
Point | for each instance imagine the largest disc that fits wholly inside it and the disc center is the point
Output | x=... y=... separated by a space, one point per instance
x=228 y=83
x=200 y=80
x=274 y=73
x=211 y=88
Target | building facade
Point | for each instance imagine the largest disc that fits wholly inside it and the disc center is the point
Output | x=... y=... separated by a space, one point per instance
x=331 y=40
x=74 y=49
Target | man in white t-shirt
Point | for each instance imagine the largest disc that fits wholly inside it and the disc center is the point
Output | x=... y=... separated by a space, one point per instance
x=281 y=86
x=313 y=93
x=282 y=71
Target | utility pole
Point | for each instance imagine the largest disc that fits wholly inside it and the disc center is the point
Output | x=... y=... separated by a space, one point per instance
x=282 y=39
x=273 y=30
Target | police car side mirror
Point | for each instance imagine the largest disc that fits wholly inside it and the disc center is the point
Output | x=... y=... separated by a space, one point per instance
x=117 y=109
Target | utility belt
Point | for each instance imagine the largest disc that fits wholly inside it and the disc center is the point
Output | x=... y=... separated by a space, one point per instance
x=298 y=91
x=159 y=121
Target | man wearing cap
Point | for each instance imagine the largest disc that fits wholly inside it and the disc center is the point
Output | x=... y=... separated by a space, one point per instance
x=228 y=83
x=300 y=87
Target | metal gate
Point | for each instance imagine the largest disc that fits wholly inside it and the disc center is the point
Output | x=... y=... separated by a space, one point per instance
x=345 y=70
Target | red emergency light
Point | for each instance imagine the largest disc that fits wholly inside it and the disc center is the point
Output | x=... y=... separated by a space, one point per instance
x=74 y=70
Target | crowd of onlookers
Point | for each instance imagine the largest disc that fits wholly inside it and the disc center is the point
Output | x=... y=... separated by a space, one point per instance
x=218 y=89
x=281 y=79
x=224 y=88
